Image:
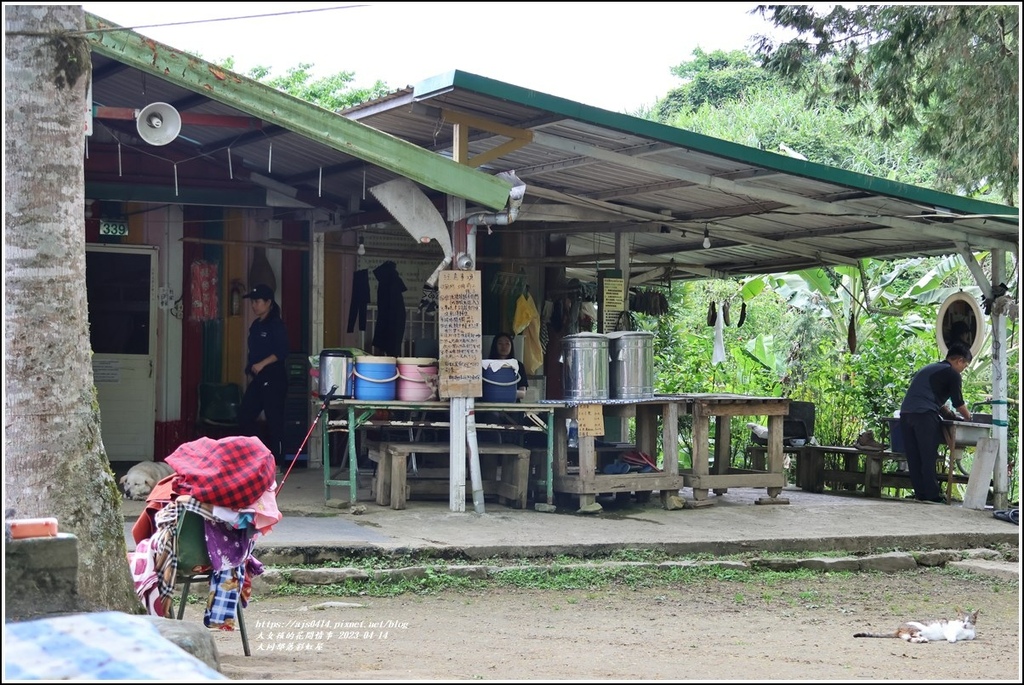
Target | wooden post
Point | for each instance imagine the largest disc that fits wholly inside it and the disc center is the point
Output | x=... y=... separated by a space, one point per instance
x=950 y=434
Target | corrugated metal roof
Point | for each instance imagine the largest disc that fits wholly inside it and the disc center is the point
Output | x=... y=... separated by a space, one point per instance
x=297 y=141
x=764 y=212
x=590 y=174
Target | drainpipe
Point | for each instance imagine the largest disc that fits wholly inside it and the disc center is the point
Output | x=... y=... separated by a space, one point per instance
x=506 y=217
x=503 y=218
x=475 y=477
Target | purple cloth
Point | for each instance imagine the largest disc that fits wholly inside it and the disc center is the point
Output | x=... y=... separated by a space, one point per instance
x=228 y=547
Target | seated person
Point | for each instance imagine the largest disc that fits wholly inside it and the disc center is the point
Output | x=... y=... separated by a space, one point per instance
x=501 y=348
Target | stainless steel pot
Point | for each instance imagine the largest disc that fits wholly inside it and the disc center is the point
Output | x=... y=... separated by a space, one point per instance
x=631 y=370
x=585 y=366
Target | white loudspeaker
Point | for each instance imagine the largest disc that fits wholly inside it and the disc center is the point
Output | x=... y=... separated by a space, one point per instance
x=158 y=123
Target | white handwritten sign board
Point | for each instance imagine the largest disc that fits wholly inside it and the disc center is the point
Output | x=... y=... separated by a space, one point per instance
x=459 y=303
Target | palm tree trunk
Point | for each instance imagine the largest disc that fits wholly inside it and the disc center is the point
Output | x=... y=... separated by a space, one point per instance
x=54 y=460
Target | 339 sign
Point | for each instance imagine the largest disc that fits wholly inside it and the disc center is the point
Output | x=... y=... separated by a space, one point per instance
x=113 y=227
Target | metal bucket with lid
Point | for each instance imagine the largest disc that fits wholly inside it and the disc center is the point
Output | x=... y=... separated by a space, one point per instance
x=585 y=366
x=631 y=369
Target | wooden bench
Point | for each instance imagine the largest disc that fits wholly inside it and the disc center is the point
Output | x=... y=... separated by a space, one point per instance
x=812 y=474
x=393 y=485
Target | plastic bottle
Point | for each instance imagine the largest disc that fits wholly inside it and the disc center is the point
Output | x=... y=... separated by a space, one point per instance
x=574 y=440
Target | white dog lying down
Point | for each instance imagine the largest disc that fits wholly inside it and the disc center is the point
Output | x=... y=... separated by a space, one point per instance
x=141 y=478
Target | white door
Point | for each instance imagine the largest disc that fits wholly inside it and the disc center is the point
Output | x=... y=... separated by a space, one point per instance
x=121 y=285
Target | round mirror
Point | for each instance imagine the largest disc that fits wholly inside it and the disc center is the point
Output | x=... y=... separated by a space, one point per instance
x=960 y=321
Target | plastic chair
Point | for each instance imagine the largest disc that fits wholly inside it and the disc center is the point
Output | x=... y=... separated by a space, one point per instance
x=798 y=423
x=218 y=409
x=194 y=564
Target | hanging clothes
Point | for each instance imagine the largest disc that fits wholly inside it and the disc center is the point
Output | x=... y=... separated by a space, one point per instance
x=360 y=299
x=390 y=330
x=204 y=291
x=545 y=327
x=526 y=322
x=719 y=352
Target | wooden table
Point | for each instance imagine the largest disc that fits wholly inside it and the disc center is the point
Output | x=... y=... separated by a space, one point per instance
x=719 y=475
x=358 y=414
x=587 y=482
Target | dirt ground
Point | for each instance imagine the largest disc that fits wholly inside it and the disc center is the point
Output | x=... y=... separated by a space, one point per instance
x=790 y=629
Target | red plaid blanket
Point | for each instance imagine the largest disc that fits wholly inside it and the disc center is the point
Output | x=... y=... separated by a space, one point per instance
x=232 y=472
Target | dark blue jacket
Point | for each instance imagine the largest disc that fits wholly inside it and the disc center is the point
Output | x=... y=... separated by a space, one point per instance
x=266 y=337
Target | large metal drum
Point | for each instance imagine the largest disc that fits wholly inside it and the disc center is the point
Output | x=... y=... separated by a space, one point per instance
x=631 y=369
x=585 y=366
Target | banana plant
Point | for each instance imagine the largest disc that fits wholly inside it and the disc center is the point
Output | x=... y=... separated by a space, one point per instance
x=846 y=297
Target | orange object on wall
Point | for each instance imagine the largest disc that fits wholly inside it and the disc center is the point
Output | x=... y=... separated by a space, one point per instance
x=33 y=528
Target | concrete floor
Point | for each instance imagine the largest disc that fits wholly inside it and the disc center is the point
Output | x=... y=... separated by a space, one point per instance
x=735 y=523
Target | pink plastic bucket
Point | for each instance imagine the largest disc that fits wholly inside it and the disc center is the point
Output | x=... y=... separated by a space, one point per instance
x=417 y=379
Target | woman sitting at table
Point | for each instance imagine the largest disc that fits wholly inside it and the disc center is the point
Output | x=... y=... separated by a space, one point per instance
x=501 y=348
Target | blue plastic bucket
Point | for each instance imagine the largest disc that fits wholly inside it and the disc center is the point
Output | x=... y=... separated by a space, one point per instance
x=501 y=378
x=376 y=378
x=895 y=435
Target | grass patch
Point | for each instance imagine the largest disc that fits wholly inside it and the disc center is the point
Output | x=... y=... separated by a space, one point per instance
x=587 y=578
x=623 y=569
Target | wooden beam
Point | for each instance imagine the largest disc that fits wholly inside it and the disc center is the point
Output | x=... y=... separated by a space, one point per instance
x=191 y=118
x=463 y=122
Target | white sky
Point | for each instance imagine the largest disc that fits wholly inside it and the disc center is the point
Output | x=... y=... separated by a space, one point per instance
x=614 y=55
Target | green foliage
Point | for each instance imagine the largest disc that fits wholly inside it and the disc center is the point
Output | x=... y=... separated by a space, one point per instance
x=333 y=92
x=795 y=343
x=774 y=115
x=949 y=72
x=711 y=79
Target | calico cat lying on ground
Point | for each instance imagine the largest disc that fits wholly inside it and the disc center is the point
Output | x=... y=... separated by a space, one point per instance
x=962 y=628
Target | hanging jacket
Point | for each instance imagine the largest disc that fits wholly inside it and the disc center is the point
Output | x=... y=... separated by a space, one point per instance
x=390 y=330
x=360 y=299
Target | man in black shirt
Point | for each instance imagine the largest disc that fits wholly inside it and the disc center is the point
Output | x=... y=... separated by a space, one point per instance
x=921 y=414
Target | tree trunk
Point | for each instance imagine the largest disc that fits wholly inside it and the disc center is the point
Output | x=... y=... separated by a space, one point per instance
x=54 y=460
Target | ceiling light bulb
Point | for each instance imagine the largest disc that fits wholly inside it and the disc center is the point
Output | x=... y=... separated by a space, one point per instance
x=707 y=238
x=361 y=250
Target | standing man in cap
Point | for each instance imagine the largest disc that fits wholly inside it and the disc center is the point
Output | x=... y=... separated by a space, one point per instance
x=921 y=414
x=265 y=368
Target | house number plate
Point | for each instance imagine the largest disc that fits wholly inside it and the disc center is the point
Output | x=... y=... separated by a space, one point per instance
x=113 y=228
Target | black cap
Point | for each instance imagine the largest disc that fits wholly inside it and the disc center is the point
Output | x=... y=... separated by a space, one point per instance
x=260 y=292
